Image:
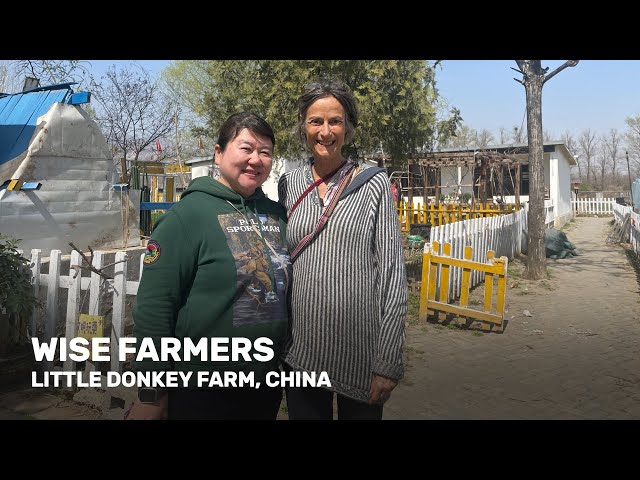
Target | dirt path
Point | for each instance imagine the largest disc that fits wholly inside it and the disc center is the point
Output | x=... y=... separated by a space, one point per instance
x=576 y=357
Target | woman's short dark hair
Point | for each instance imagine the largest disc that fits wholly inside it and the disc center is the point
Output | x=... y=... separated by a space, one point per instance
x=238 y=122
x=328 y=88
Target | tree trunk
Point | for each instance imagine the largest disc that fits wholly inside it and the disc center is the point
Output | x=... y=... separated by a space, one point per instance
x=536 y=255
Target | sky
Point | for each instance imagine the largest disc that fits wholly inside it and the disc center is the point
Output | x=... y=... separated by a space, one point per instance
x=596 y=94
x=99 y=67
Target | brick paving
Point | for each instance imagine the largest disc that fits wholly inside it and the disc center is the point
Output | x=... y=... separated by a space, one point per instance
x=576 y=357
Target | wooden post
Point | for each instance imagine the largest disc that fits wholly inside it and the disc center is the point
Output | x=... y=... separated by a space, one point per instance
x=124 y=178
x=438 y=177
x=483 y=181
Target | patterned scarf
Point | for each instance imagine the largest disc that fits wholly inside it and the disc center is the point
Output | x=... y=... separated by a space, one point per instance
x=332 y=186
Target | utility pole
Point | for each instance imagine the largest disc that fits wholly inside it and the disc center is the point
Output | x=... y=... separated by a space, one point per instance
x=630 y=185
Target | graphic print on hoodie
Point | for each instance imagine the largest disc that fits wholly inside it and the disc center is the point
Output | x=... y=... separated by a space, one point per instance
x=261 y=277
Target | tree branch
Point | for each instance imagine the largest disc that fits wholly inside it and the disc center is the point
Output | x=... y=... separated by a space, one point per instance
x=568 y=63
x=519 y=81
x=89 y=262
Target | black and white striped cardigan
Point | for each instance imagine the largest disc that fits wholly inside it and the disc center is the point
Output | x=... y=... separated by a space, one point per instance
x=349 y=288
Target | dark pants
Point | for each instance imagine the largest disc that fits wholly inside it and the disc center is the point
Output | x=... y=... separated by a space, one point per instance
x=225 y=403
x=309 y=403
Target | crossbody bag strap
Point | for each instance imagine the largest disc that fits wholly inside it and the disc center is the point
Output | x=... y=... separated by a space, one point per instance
x=325 y=179
x=325 y=216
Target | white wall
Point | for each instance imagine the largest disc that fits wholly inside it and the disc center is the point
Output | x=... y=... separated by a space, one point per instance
x=200 y=169
x=270 y=187
x=563 y=203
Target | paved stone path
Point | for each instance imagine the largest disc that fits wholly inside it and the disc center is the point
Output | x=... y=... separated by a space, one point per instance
x=575 y=358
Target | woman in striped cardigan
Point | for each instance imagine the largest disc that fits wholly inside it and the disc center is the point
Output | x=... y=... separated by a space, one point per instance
x=349 y=290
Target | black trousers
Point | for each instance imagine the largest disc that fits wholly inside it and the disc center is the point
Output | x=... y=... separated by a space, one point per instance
x=225 y=403
x=313 y=403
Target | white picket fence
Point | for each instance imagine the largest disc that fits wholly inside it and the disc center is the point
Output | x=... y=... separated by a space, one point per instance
x=503 y=234
x=95 y=286
x=593 y=206
x=619 y=214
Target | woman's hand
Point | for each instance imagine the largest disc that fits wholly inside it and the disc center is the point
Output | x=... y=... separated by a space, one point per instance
x=381 y=389
x=158 y=410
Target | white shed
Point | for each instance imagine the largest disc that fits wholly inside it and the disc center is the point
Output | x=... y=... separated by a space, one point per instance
x=557 y=176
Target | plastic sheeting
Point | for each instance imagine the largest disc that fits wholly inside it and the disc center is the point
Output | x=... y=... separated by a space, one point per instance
x=69 y=155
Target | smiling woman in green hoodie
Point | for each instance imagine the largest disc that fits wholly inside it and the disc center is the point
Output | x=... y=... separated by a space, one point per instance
x=217 y=266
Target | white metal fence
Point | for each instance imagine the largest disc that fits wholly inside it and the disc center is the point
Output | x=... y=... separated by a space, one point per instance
x=503 y=234
x=593 y=206
x=619 y=214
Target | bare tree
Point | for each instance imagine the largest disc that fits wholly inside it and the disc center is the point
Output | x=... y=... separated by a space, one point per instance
x=133 y=113
x=49 y=72
x=611 y=146
x=519 y=135
x=484 y=138
x=588 y=142
x=8 y=78
x=547 y=136
x=572 y=146
x=632 y=139
x=533 y=79
x=504 y=135
x=602 y=159
x=464 y=137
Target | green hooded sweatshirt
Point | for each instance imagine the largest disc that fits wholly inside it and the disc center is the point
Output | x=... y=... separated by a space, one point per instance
x=208 y=273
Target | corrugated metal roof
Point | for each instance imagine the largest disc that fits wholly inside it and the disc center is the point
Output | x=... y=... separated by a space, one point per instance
x=18 y=115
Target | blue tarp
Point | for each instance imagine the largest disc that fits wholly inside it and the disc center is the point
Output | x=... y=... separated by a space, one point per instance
x=19 y=113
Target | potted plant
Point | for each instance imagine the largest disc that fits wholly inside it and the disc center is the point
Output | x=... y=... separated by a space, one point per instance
x=17 y=302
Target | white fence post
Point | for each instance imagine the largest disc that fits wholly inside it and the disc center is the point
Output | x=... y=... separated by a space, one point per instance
x=119 y=304
x=94 y=296
x=52 y=299
x=35 y=281
x=73 y=303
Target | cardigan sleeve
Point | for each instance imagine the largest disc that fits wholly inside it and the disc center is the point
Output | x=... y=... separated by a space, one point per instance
x=392 y=286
